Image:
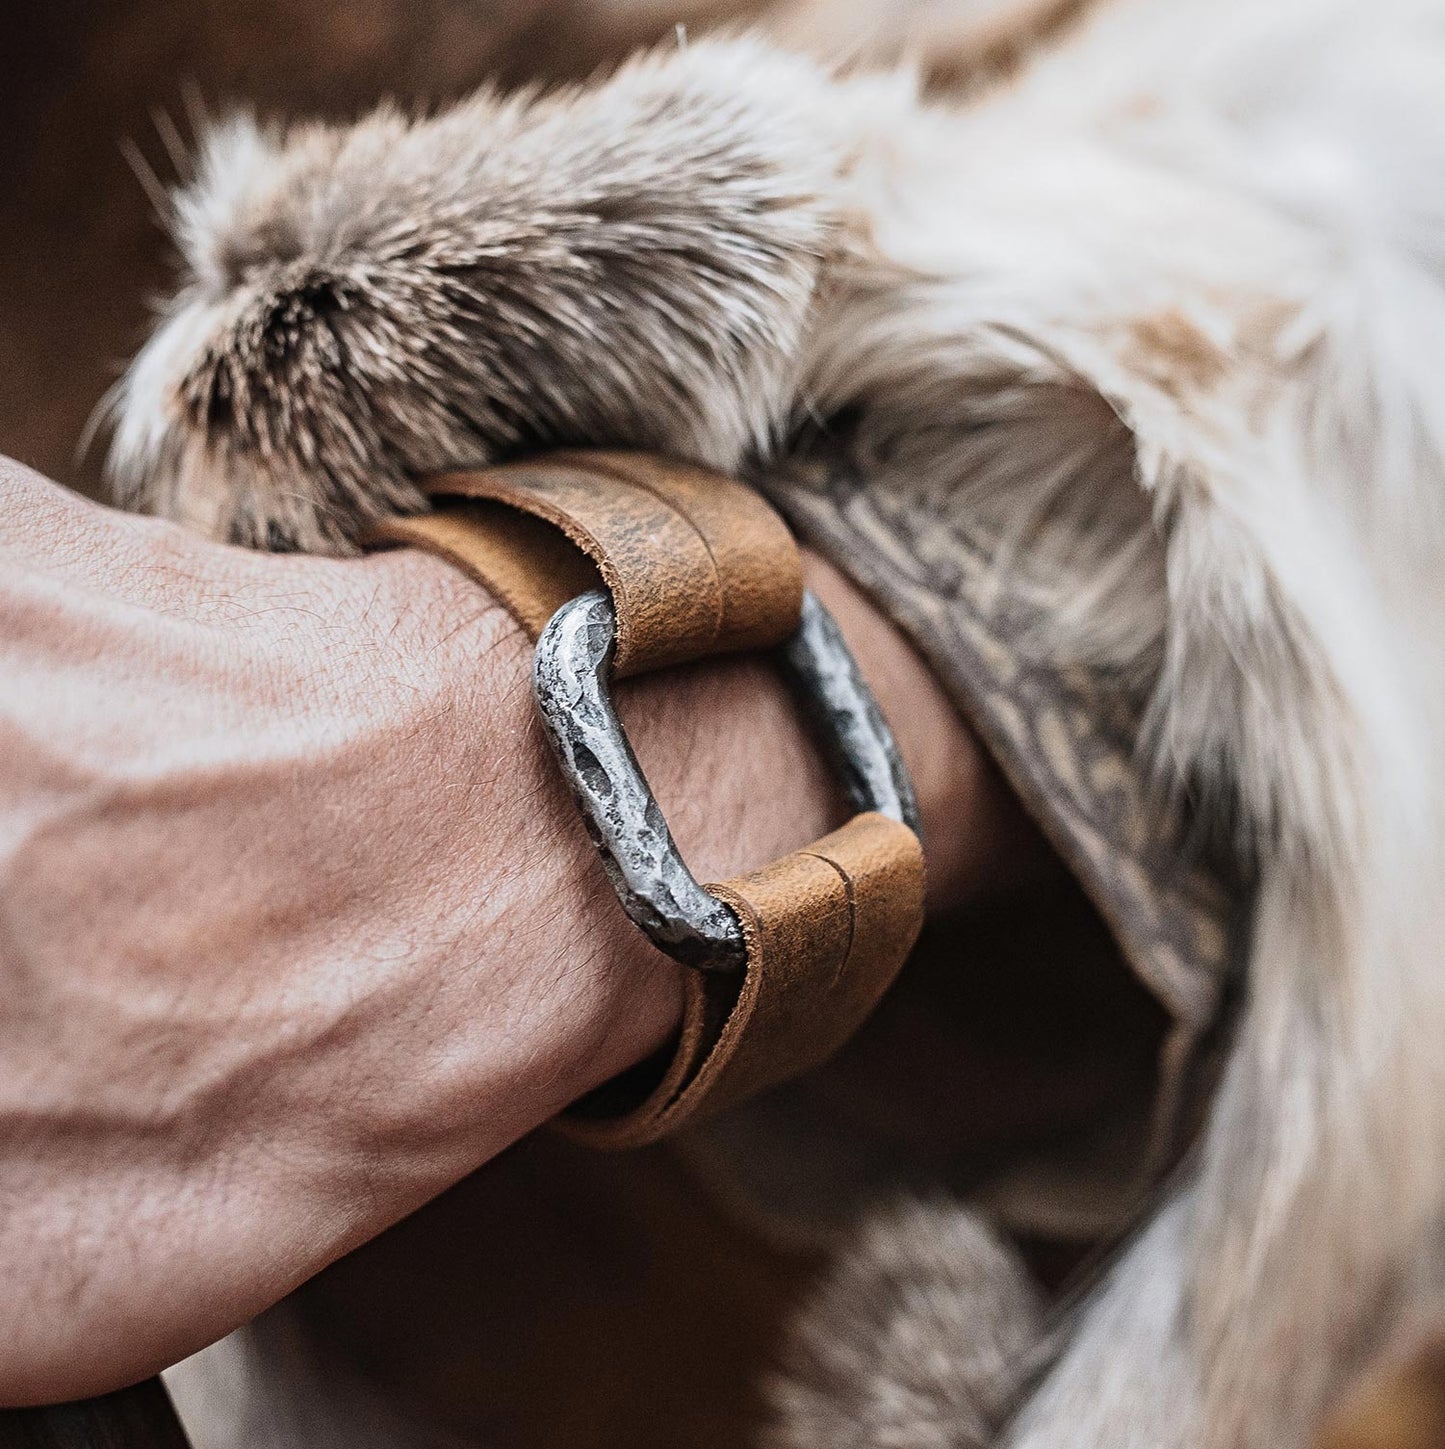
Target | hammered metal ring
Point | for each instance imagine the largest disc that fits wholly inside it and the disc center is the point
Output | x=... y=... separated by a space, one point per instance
x=571 y=679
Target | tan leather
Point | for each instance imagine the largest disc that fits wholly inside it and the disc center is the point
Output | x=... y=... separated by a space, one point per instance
x=828 y=928
x=697 y=565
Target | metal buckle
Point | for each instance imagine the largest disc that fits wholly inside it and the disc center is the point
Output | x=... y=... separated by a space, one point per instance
x=571 y=679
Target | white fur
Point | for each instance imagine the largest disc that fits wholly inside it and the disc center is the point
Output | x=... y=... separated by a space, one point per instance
x=1265 y=184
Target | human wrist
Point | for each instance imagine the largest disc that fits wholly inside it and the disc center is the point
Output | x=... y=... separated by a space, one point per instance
x=348 y=948
x=358 y=928
x=740 y=780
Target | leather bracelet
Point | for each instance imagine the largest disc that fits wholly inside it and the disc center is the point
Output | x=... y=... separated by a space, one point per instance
x=619 y=564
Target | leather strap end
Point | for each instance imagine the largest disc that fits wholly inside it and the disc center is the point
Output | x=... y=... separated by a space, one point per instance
x=828 y=928
x=529 y=567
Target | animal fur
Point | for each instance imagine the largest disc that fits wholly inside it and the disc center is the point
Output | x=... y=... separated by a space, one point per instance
x=1169 y=306
x=918 y=1337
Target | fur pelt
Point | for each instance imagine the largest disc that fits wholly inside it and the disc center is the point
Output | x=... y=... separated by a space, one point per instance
x=1168 y=305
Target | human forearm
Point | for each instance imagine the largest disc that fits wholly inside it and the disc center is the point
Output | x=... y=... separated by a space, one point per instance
x=290 y=823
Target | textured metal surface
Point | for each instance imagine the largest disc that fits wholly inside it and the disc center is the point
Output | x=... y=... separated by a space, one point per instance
x=850 y=727
x=571 y=680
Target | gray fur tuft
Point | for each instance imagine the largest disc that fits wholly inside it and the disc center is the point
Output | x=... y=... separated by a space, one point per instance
x=917 y=1339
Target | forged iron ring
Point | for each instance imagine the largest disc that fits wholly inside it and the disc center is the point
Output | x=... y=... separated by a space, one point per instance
x=571 y=678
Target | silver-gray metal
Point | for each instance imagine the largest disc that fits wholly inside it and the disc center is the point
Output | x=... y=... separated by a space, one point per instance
x=571 y=678
x=850 y=727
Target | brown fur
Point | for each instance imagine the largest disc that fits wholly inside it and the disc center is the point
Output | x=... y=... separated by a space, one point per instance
x=390 y=299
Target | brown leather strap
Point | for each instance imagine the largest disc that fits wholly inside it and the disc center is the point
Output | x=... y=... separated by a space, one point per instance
x=827 y=928
x=697 y=565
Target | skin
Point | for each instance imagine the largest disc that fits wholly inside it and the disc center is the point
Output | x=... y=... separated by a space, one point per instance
x=298 y=927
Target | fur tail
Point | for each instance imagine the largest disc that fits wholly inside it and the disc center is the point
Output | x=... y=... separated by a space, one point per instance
x=917 y=1339
x=633 y=263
